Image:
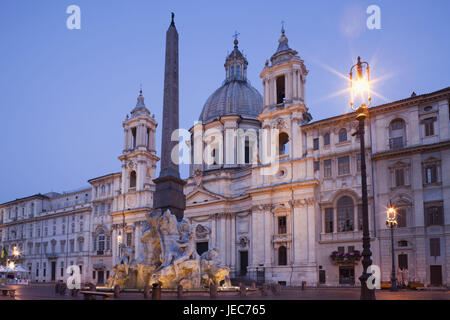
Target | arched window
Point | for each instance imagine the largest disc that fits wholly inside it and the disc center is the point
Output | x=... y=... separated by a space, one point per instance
x=133 y=179
x=326 y=139
x=345 y=215
x=342 y=135
x=282 y=256
x=280 y=83
x=283 y=143
x=397 y=134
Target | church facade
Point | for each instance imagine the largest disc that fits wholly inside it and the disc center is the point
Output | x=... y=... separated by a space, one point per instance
x=293 y=222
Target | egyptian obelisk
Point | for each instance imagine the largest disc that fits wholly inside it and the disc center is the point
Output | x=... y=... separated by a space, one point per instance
x=169 y=187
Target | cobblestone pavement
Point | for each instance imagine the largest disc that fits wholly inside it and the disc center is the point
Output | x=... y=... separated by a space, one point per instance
x=47 y=292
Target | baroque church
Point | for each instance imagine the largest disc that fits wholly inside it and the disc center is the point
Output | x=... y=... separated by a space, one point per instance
x=300 y=223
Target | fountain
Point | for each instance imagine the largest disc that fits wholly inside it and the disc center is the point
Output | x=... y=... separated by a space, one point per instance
x=169 y=258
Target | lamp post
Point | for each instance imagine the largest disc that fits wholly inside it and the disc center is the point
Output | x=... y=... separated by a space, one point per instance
x=391 y=222
x=360 y=90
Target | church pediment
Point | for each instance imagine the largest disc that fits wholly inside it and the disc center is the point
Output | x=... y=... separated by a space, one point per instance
x=201 y=196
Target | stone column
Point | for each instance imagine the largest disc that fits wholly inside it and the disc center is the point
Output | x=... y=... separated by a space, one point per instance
x=322 y=213
x=213 y=237
x=267 y=238
x=303 y=234
x=273 y=91
x=114 y=245
x=335 y=221
x=222 y=238
x=311 y=230
x=125 y=142
x=288 y=85
x=233 y=243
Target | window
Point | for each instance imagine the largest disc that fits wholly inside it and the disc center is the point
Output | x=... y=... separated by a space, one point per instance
x=72 y=245
x=133 y=138
x=129 y=239
x=431 y=174
x=247 y=151
x=429 y=126
x=399 y=177
x=403 y=261
x=102 y=208
x=326 y=139
x=103 y=189
x=282 y=256
x=316 y=165
x=280 y=83
x=342 y=135
x=343 y=165
x=328 y=220
x=402 y=243
x=282 y=225
x=327 y=168
x=80 y=246
x=397 y=134
x=101 y=241
x=345 y=214
x=283 y=145
x=435 y=247
x=433 y=215
x=147 y=138
x=316 y=143
x=401 y=217
x=133 y=179
x=360 y=218
x=358 y=162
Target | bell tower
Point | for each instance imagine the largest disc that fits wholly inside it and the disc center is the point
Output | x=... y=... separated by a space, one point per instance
x=139 y=156
x=284 y=98
x=284 y=80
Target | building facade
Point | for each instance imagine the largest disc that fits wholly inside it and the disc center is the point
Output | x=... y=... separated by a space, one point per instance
x=293 y=221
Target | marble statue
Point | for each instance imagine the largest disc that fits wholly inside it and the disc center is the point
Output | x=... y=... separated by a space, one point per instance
x=169 y=257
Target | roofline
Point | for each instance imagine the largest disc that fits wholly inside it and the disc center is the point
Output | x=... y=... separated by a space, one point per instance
x=37 y=195
x=104 y=176
x=381 y=106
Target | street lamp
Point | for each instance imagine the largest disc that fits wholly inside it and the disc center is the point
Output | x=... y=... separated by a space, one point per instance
x=360 y=91
x=391 y=222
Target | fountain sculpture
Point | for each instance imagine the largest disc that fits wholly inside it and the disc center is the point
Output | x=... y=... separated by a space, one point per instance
x=169 y=257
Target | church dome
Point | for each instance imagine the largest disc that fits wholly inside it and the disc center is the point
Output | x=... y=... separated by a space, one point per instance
x=236 y=96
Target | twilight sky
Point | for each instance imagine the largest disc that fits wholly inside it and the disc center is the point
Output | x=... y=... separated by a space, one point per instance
x=64 y=93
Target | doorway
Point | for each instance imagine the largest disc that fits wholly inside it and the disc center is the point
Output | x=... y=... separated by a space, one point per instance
x=100 y=277
x=436 y=276
x=244 y=262
x=53 y=270
x=347 y=275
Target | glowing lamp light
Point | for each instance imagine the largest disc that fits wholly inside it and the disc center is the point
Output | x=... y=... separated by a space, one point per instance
x=16 y=252
x=391 y=216
x=360 y=86
x=12 y=265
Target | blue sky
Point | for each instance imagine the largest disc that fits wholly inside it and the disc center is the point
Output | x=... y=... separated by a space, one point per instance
x=64 y=93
